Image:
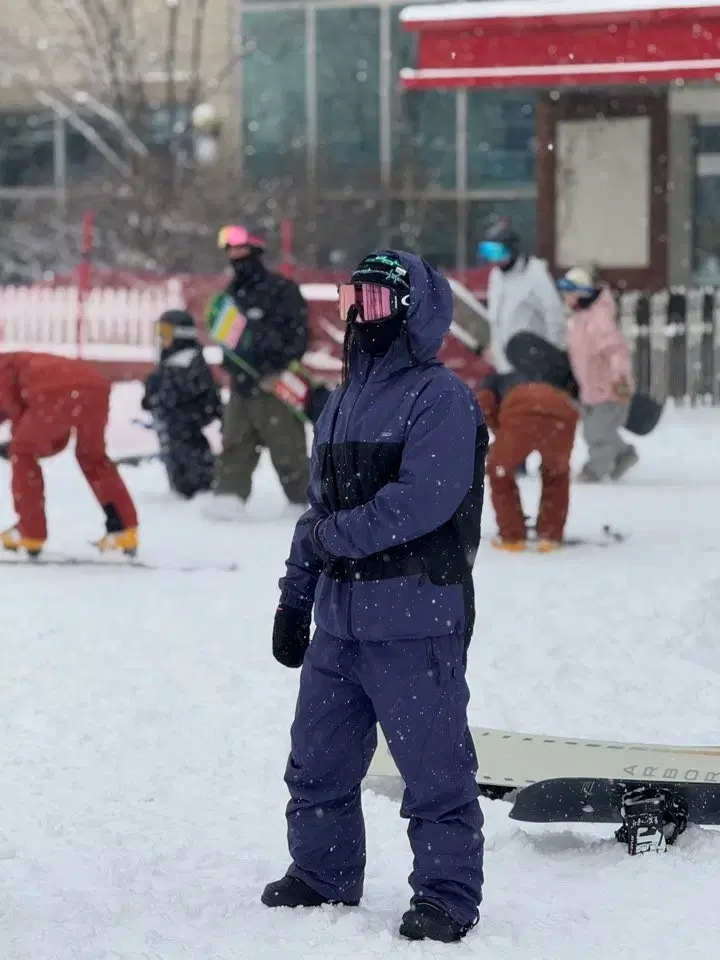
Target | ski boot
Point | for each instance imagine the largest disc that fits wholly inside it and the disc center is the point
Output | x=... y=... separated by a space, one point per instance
x=125 y=541
x=544 y=545
x=509 y=546
x=222 y=507
x=425 y=921
x=587 y=476
x=292 y=892
x=653 y=819
x=14 y=541
x=626 y=461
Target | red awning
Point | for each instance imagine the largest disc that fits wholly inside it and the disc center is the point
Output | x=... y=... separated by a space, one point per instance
x=552 y=43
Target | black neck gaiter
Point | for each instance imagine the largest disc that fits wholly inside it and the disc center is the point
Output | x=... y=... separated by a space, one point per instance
x=247 y=269
x=375 y=339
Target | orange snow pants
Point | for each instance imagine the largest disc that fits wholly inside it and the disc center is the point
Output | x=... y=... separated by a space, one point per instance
x=533 y=416
x=44 y=430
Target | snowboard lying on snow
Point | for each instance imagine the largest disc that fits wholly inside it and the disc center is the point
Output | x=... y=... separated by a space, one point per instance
x=653 y=791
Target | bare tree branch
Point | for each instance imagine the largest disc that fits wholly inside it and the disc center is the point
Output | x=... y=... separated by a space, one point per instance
x=110 y=115
x=198 y=28
x=156 y=207
x=87 y=131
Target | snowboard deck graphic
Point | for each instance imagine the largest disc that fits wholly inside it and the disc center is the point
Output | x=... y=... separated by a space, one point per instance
x=517 y=760
x=114 y=563
x=573 y=800
x=654 y=791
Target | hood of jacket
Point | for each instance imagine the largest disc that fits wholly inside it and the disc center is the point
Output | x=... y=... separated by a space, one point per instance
x=430 y=309
x=429 y=316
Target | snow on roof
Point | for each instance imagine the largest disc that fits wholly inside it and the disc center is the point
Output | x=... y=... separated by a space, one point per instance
x=502 y=9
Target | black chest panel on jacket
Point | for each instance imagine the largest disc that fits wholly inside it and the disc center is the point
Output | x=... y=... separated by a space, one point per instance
x=352 y=474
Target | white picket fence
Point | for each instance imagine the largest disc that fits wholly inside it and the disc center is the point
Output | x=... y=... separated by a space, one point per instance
x=49 y=316
x=674 y=334
x=115 y=324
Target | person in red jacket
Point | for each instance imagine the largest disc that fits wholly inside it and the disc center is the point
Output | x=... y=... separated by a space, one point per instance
x=47 y=398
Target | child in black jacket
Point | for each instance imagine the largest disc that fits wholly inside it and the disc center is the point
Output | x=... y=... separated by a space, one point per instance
x=182 y=398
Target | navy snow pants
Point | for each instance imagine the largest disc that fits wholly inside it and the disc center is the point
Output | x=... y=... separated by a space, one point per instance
x=416 y=690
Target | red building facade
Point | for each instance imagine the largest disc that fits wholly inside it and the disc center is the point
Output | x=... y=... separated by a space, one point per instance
x=609 y=75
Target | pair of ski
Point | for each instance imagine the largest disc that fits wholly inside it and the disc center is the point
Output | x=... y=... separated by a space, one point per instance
x=50 y=559
x=609 y=536
x=131 y=461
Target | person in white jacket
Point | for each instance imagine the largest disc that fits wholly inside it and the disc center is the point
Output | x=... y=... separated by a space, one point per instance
x=522 y=295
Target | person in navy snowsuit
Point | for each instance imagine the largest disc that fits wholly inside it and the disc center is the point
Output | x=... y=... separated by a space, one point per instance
x=384 y=554
x=183 y=399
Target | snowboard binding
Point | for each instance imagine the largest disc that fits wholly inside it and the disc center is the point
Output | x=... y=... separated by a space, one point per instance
x=653 y=819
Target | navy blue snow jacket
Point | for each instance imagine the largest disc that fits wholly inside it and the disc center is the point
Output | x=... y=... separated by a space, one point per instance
x=387 y=546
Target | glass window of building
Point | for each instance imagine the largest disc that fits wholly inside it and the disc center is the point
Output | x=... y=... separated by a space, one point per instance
x=162 y=125
x=706 y=203
x=427 y=227
x=27 y=150
x=706 y=137
x=348 y=85
x=424 y=141
x=347 y=230
x=274 y=114
x=501 y=138
x=423 y=124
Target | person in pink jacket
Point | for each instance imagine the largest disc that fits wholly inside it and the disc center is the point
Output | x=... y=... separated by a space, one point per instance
x=601 y=364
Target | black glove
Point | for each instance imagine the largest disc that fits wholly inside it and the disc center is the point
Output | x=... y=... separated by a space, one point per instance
x=291 y=635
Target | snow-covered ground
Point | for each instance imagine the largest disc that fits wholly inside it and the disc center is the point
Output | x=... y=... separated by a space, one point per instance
x=145 y=729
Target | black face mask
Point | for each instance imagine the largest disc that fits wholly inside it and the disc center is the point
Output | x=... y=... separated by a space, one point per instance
x=375 y=339
x=247 y=268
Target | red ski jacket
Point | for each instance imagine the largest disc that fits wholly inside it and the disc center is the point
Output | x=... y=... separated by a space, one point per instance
x=25 y=378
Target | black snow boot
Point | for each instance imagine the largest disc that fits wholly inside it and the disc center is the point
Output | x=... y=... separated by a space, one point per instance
x=425 y=921
x=291 y=892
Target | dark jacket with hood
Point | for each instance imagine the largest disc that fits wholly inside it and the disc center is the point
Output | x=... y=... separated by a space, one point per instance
x=277 y=325
x=183 y=399
x=387 y=547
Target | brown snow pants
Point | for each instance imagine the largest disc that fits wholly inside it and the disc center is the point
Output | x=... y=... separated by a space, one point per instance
x=533 y=416
x=251 y=423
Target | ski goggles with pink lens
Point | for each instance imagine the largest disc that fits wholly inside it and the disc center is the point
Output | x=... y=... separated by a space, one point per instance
x=372 y=301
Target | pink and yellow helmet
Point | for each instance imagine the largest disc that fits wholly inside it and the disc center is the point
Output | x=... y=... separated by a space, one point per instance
x=235 y=235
